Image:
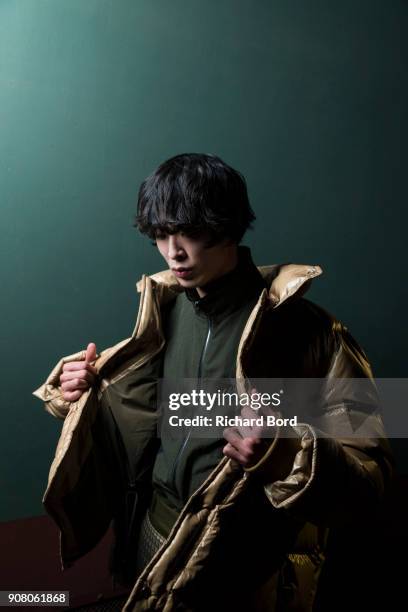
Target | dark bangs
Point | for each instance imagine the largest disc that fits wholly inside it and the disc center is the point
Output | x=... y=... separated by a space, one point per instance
x=197 y=194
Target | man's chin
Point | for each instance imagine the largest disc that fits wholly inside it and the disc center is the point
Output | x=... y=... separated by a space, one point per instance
x=187 y=283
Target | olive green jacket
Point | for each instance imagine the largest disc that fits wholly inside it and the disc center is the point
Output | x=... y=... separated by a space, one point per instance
x=246 y=539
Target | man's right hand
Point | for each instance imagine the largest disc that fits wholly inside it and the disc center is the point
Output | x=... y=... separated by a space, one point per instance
x=78 y=376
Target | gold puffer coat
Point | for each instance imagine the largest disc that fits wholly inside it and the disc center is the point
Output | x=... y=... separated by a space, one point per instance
x=247 y=540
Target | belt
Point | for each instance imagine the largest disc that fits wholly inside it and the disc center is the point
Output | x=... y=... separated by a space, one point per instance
x=148 y=544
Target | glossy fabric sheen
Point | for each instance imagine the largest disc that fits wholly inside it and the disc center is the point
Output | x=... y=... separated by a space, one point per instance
x=262 y=515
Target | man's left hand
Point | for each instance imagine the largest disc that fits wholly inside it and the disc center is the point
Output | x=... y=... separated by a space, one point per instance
x=248 y=445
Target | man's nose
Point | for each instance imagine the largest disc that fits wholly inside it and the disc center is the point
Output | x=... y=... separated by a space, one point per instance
x=175 y=249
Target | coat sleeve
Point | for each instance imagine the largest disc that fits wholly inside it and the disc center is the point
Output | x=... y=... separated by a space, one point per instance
x=89 y=482
x=50 y=392
x=319 y=474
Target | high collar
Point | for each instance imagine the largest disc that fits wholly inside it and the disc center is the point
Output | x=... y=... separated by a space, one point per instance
x=229 y=292
x=283 y=282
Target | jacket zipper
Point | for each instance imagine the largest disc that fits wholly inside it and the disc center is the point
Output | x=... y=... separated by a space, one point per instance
x=199 y=376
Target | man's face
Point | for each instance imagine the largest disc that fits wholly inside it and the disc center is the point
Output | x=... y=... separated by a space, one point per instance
x=193 y=263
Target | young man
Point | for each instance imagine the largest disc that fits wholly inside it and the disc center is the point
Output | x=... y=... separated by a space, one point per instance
x=231 y=522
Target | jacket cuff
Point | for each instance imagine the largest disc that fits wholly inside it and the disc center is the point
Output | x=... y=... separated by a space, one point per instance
x=277 y=462
x=53 y=401
x=50 y=392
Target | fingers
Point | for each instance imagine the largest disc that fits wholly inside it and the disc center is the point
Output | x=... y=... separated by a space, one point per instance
x=231 y=435
x=231 y=452
x=74 y=388
x=71 y=396
x=249 y=413
x=75 y=366
x=246 y=453
x=90 y=354
x=246 y=444
x=75 y=383
x=243 y=450
x=80 y=374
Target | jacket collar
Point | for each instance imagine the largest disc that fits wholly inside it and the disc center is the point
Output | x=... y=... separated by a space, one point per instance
x=231 y=291
x=282 y=281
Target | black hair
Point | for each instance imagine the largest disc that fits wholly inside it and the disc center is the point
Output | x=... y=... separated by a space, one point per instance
x=198 y=194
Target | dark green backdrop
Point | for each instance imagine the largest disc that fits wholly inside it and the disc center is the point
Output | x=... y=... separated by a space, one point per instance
x=308 y=99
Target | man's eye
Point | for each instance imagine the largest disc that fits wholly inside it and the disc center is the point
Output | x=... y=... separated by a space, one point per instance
x=160 y=236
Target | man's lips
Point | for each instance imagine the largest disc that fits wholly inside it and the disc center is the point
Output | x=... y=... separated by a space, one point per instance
x=182 y=272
